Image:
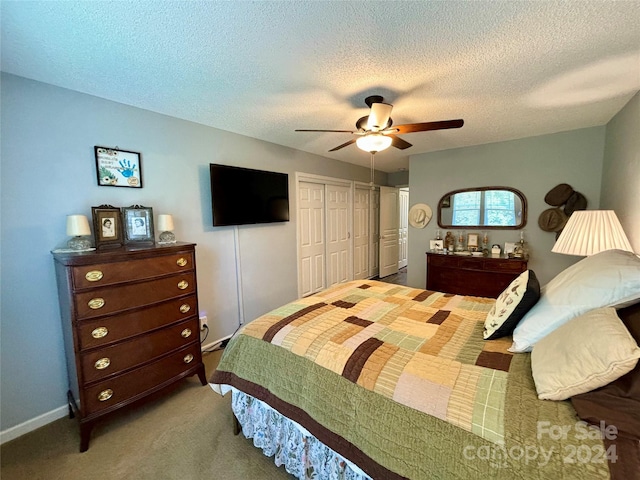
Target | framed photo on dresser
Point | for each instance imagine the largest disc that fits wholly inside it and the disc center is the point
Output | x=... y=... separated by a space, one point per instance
x=107 y=226
x=138 y=224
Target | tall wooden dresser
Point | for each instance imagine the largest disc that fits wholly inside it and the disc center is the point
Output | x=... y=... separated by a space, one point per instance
x=130 y=323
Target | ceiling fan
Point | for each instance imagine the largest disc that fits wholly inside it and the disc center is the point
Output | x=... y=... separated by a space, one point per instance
x=376 y=133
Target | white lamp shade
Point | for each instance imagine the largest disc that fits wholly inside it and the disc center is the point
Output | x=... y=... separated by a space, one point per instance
x=592 y=231
x=379 y=116
x=77 y=225
x=165 y=223
x=374 y=142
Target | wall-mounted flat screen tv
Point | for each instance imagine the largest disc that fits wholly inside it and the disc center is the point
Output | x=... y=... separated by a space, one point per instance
x=241 y=196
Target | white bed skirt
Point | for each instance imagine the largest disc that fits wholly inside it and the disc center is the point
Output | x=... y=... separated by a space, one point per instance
x=291 y=445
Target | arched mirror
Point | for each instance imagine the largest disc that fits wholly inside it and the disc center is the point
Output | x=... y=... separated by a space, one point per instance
x=484 y=207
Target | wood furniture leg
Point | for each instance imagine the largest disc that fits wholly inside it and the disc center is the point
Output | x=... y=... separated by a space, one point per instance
x=201 y=375
x=85 y=435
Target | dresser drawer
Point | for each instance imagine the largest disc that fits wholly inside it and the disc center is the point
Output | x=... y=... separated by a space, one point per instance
x=102 y=301
x=107 y=330
x=112 y=360
x=101 y=274
x=506 y=266
x=136 y=383
x=443 y=260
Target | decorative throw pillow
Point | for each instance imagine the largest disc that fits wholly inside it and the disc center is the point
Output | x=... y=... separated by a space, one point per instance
x=512 y=304
x=585 y=353
x=606 y=279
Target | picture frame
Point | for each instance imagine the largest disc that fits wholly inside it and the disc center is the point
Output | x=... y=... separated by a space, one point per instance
x=436 y=245
x=107 y=226
x=473 y=240
x=138 y=225
x=509 y=247
x=118 y=168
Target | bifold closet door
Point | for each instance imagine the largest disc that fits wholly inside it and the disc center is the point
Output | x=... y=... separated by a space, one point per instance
x=311 y=218
x=337 y=207
x=361 y=236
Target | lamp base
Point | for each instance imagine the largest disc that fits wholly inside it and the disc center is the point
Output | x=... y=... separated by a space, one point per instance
x=167 y=237
x=79 y=243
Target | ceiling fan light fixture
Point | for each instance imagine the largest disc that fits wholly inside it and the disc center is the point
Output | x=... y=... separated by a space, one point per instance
x=374 y=142
x=379 y=116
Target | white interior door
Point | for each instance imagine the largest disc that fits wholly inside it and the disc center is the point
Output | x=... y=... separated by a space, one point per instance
x=311 y=218
x=374 y=218
x=403 y=229
x=361 y=234
x=338 y=237
x=389 y=222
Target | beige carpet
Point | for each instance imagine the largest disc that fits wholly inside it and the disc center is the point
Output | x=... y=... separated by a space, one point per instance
x=187 y=434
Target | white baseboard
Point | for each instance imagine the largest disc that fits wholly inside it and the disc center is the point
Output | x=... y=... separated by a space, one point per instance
x=46 y=418
x=209 y=346
x=33 y=424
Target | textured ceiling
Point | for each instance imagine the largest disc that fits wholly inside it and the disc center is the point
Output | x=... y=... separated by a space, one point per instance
x=510 y=69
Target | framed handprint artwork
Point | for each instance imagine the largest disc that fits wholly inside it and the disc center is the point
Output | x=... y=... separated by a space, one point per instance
x=118 y=168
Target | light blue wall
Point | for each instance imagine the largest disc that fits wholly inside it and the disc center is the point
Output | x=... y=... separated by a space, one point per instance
x=532 y=165
x=621 y=174
x=48 y=172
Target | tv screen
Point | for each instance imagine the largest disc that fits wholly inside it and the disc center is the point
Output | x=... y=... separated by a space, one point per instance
x=241 y=196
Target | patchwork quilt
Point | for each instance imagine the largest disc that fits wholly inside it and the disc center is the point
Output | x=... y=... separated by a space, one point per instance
x=400 y=381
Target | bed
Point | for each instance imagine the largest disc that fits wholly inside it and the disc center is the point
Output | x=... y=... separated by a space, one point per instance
x=373 y=380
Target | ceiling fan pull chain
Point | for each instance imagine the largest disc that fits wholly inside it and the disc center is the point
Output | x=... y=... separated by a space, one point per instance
x=372 y=169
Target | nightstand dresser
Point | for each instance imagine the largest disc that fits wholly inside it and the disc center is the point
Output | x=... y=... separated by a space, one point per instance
x=130 y=323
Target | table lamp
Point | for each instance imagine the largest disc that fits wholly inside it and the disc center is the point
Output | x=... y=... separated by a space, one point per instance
x=591 y=231
x=165 y=225
x=78 y=228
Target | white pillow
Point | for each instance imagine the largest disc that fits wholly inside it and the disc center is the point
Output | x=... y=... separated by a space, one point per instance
x=586 y=353
x=606 y=279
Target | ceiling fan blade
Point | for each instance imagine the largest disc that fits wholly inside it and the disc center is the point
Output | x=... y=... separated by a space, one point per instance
x=346 y=144
x=399 y=142
x=426 y=126
x=339 y=131
x=379 y=116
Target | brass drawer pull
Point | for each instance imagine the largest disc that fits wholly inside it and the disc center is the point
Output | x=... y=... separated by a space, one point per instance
x=184 y=308
x=186 y=333
x=105 y=395
x=181 y=262
x=96 y=303
x=182 y=284
x=94 y=275
x=102 y=363
x=188 y=358
x=100 y=332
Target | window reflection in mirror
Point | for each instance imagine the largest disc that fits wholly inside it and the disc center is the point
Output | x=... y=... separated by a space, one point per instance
x=486 y=207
